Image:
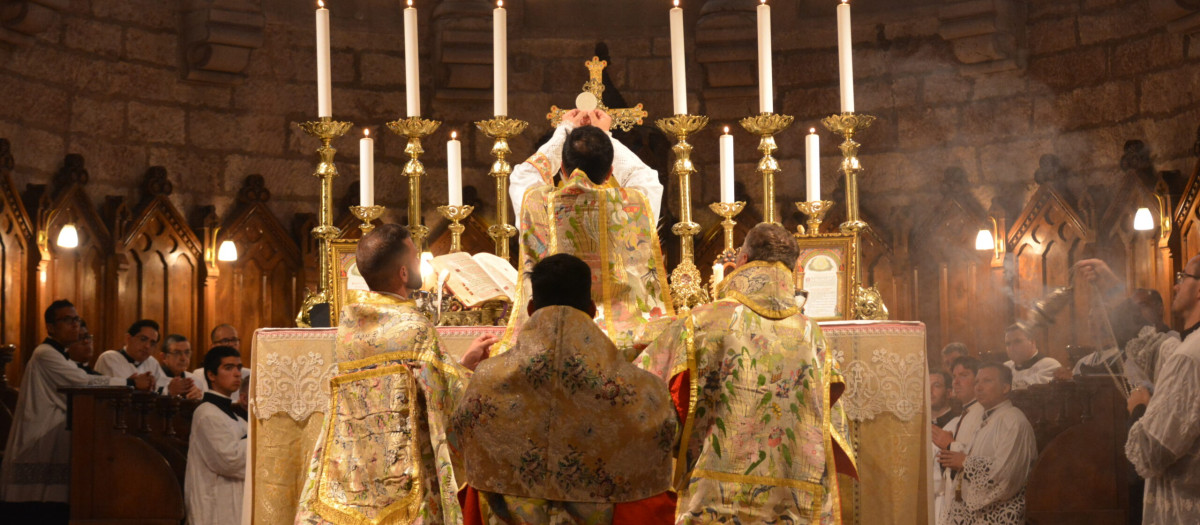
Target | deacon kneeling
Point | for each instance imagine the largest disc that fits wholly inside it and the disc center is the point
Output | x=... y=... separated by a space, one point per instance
x=561 y=429
x=989 y=487
x=216 y=463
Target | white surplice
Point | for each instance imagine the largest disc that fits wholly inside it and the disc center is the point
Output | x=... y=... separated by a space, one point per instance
x=1040 y=373
x=964 y=427
x=1164 y=445
x=627 y=168
x=216 y=466
x=995 y=472
x=116 y=363
x=37 y=458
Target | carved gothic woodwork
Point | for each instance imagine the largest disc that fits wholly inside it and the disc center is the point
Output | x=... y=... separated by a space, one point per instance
x=302 y=226
x=78 y=274
x=1045 y=240
x=218 y=38
x=885 y=265
x=159 y=264
x=262 y=288
x=986 y=36
x=17 y=256
x=475 y=238
x=22 y=20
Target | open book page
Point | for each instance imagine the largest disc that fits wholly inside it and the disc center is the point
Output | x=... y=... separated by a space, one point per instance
x=500 y=270
x=468 y=280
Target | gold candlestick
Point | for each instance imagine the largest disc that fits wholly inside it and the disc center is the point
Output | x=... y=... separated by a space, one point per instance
x=500 y=129
x=414 y=128
x=766 y=126
x=326 y=129
x=455 y=214
x=366 y=214
x=815 y=211
x=728 y=210
x=847 y=125
x=686 y=285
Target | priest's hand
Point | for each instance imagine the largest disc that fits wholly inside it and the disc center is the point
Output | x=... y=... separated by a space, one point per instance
x=1139 y=396
x=180 y=386
x=951 y=460
x=1098 y=272
x=600 y=119
x=143 y=381
x=480 y=348
x=574 y=117
x=941 y=438
x=1063 y=374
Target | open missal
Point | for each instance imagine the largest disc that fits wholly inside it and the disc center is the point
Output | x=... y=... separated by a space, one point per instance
x=476 y=279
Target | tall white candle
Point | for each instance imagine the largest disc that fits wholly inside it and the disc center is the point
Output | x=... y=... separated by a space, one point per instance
x=454 y=169
x=324 y=99
x=845 y=58
x=412 y=79
x=678 y=73
x=500 y=59
x=812 y=165
x=366 y=169
x=766 y=90
x=726 y=150
x=718 y=272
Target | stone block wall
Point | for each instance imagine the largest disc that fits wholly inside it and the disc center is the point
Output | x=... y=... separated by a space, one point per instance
x=985 y=86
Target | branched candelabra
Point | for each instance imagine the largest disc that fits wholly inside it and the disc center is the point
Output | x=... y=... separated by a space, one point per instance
x=326 y=129
x=847 y=125
x=766 y=126
x=686 y=285
x=500 y=129
x=414 y=128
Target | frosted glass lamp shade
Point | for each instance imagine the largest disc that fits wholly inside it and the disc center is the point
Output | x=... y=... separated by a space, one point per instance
x=227 y=252
x=984 y=240
x=1142 y=220
x=68 y=237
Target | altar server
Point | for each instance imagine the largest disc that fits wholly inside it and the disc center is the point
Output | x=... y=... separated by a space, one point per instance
x=1029 y=366
x=35 y=475
x=382 y=455
x=990 y=476
x=216 y=463
x=562 y=425
x=610 y=228
x=628 y=170
x=755 y=387
x=135 y=358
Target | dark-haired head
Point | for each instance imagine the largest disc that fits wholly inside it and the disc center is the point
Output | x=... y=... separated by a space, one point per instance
x=212 y=360
x=589 y=149
x=562 y=279
x=138 y=325
x=62 y=321
x=388 y=259
x=771 y=243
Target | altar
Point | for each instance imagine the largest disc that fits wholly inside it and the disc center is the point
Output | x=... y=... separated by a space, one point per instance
x=886 y=401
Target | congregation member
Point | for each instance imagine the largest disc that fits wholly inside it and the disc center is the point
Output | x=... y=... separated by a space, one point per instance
x=216 y=459
x=82 y=350
x=611 y=228
x=953 y=351
x=941 y=403
x=35 y=474
x=173 y=357
x=393 y=379
x=1164 y=443
x=958 y=434
x=134 y=358
x=755 y=387
x=225 y=334
x=1029 y=366
x=562 y=423
x=542 y=167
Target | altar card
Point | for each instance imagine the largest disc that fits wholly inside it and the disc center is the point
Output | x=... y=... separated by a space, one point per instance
x=825 y=270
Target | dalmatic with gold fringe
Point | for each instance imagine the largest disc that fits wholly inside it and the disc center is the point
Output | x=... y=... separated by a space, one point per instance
x=610 y=228
x=383 y=455
x=756 y=390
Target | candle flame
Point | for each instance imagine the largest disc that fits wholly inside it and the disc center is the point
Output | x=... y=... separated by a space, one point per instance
x=676 y=3
x=320 y=4
x=366 y=132
x=812 y=130
x=726 y=130
x=845 y=1
x=453 y=135
x=764 y=2
x=499 y=3
x=409 y=3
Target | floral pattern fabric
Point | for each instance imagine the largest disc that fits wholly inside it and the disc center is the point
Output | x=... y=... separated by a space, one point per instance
x=563 y=418
x=383 y=455
x=758 y=443
x=610 y=228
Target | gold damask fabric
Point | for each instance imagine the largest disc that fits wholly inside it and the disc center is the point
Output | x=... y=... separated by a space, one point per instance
x=563 y=417
x=759 y=443
x=383 y=455
x=886 y=374
x=610 y=228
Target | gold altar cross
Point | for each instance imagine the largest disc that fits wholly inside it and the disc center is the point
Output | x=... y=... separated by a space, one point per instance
x=624 y=118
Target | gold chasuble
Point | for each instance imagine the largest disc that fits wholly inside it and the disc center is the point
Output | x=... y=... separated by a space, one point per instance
x=383 y=457
x=609 y=228
x=562 y=424
x=757 y=385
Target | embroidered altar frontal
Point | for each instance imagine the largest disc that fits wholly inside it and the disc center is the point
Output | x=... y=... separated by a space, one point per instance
x=883 y=363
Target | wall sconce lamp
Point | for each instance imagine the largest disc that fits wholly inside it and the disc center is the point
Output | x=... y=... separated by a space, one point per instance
x=68 y=237
x=1143 y=220
x=989 y=239
x=227 y=252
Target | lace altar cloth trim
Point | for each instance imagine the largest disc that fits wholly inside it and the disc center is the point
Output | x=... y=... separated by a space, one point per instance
x=884 y=381
x=290 y=376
